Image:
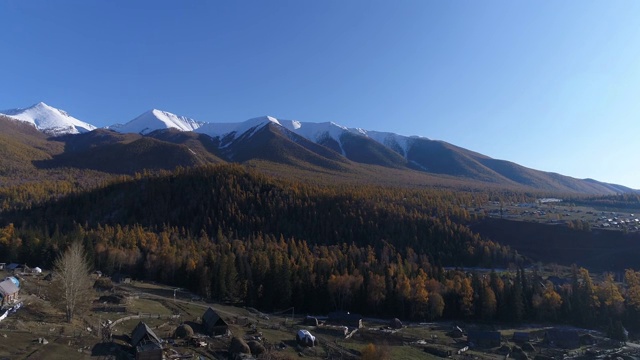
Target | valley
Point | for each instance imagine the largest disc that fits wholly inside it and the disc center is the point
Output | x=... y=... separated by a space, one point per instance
x=265 y=216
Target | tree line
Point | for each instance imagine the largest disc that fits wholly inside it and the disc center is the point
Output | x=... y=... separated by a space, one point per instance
x=236 y=236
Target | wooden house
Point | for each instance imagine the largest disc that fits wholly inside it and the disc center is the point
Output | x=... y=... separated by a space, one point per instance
x=147 y=344
x=213 y=324
x=8 y=292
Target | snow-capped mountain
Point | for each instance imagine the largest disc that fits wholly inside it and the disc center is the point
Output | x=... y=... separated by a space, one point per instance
x=321 y=132
x=155 y=120
x=229 y=132
x=49 y=120
x=324 y=145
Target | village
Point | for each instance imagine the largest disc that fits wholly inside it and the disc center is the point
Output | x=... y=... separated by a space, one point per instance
x=138 y=320
x=557 y=212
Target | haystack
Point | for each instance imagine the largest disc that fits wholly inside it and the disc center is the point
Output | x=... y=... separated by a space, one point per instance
x=238 y=346
x=183 y=331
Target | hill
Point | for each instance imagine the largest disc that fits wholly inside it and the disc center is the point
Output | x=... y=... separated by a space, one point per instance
x=298 y=147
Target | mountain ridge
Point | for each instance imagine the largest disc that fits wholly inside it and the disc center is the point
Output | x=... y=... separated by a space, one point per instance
x=325 y=145
x=49 y=120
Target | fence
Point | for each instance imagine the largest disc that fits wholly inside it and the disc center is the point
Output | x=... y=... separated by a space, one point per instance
x=144 y=316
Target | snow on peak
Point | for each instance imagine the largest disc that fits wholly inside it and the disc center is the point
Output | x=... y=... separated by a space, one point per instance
x=224 y=129
x=49 y=120
x=319 y=131
x=155 y=120
x=390 y=140
x=315 y=131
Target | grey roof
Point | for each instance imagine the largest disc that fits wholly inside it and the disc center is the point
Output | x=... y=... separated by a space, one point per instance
x=7 y=287
x=140 y=332
x=211 y=318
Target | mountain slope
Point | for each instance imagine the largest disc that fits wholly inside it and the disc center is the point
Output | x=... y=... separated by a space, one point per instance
x=49 y=120
x=269 y=142
x=107 y=151
x=319 y=146
x=202 y=146
x=20 y=145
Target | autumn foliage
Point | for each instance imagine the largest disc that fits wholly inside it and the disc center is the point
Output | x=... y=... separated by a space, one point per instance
x=232 y=235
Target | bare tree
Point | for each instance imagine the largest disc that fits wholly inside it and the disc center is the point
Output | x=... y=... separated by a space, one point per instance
x=73 y=280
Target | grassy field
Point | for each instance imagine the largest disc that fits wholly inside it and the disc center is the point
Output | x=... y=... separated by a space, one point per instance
x=38 y=318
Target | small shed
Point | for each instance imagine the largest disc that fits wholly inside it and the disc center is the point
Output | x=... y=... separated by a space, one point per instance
x=562 y=338
x=456 y=332
x=395 y=323
x=213 y=324
x=121 y=278
x=147 y=344
x=14 y=267
x=484 y=339
x=8 y=292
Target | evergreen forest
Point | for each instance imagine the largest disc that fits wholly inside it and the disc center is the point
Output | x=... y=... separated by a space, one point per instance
x=234 y=235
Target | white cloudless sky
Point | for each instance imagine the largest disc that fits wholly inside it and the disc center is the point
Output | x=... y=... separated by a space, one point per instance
x=552 y=85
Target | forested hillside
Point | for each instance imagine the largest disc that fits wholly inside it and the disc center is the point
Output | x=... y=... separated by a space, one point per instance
x=235 y=235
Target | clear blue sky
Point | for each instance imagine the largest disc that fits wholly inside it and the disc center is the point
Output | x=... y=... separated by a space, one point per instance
x=552 y=85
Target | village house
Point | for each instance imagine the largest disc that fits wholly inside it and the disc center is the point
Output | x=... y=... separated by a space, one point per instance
x=147 y=344
x=8 y=292
x=213 y=324
x=15 y=267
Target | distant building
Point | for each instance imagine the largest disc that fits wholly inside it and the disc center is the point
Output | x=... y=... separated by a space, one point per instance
x=14 y=267
x=121 y=278
x=213 y=324
x=14 y=280
x=8 y=292
x=147 y=344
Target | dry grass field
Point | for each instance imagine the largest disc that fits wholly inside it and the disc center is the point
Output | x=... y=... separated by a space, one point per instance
x=21 y=334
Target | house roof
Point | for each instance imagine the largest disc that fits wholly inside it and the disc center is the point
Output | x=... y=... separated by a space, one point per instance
x=7 y=287
x=140 y=332
x=211 y=318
